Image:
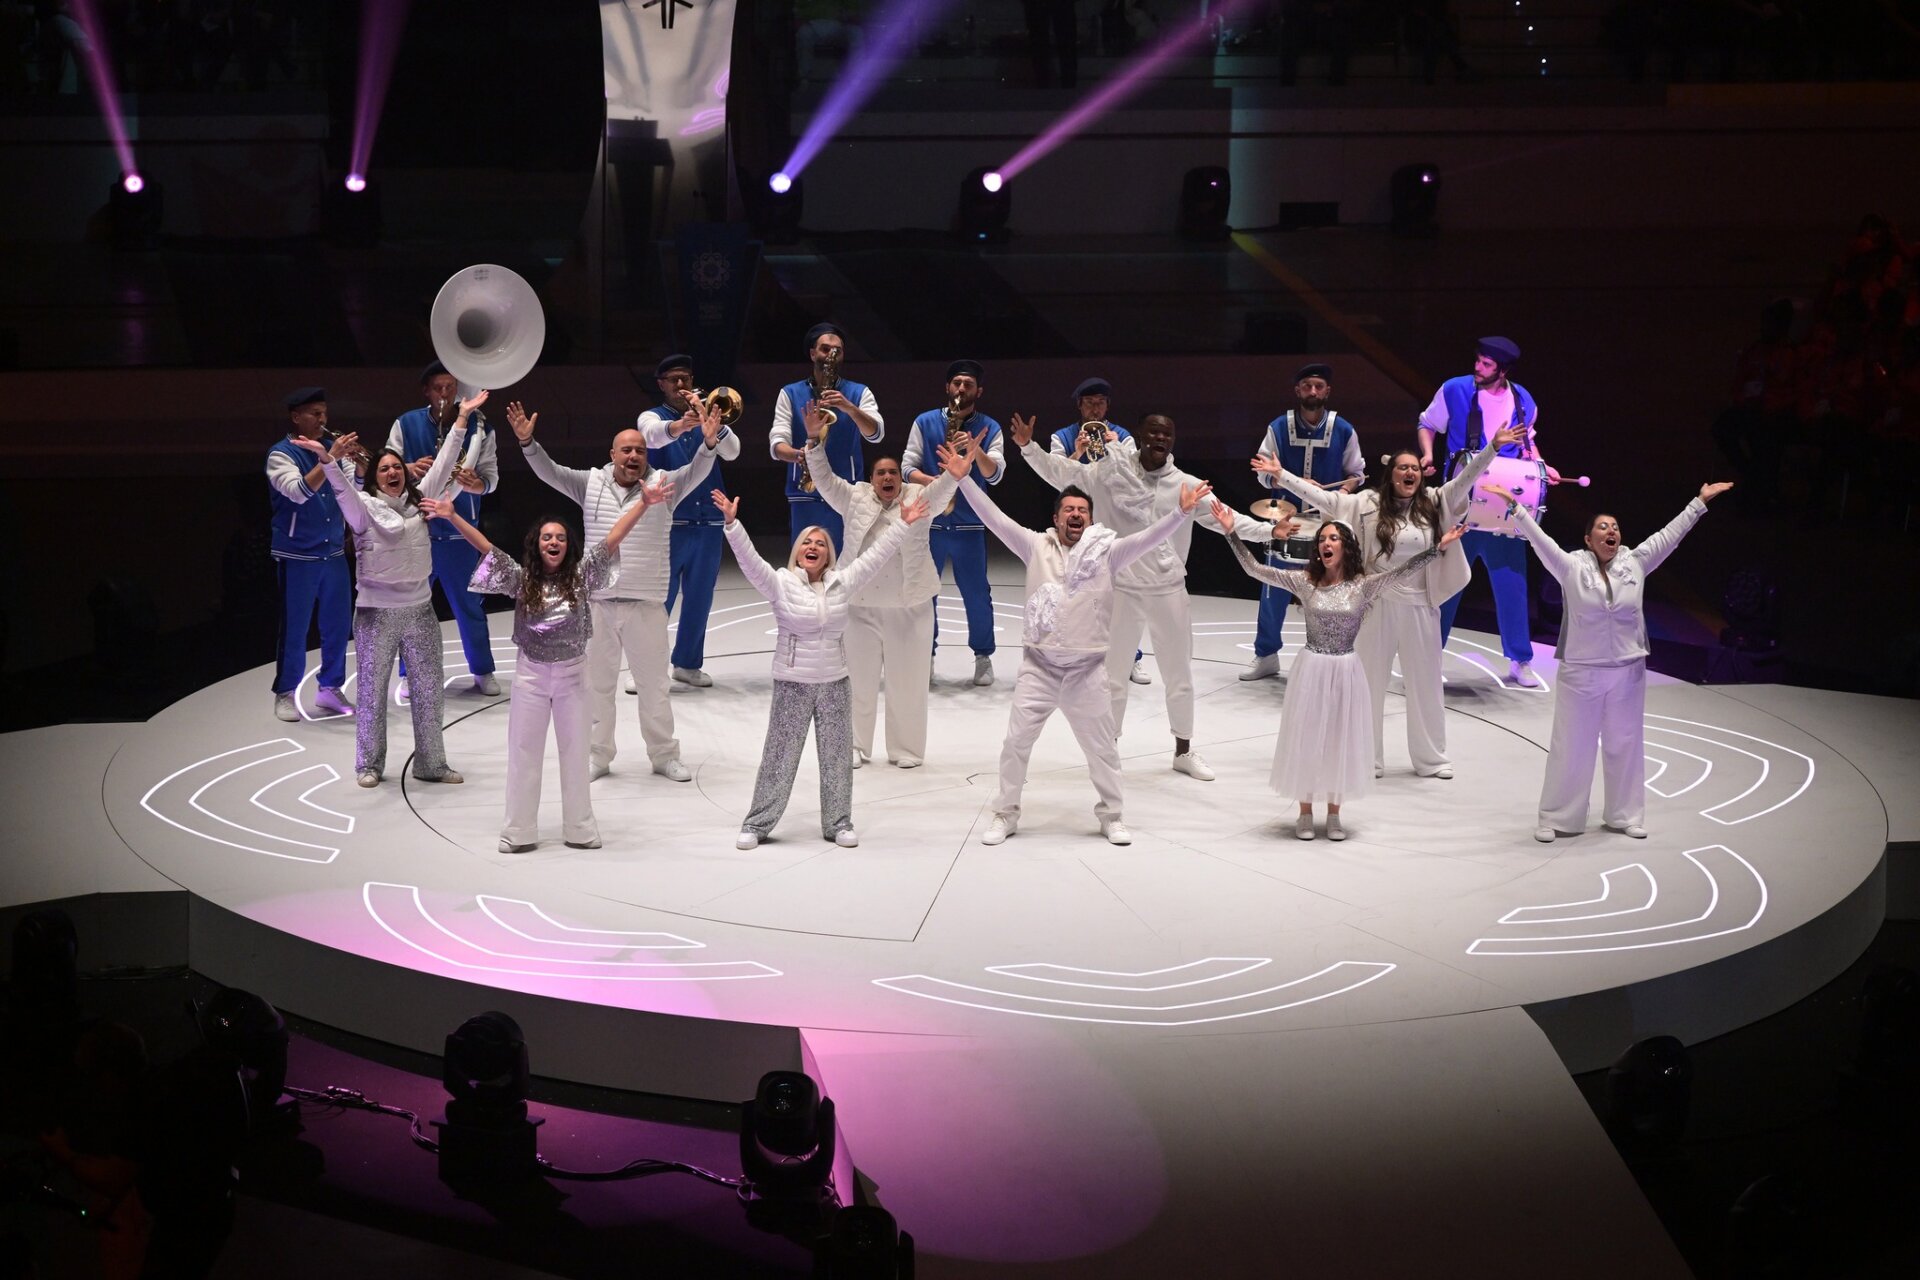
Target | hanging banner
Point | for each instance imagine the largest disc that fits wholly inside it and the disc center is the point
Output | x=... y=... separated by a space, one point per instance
x=667 y=63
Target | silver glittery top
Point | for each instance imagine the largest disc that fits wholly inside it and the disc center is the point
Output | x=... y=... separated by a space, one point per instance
x=559 y=632
x=1334 y=613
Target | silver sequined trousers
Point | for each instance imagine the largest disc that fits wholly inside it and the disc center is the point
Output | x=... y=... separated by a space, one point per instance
x=378 y=634
x=829 y=707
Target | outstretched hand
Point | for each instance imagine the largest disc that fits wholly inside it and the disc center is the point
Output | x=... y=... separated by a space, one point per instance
x=658 y=492
x=955 y=462
x=1708 y=492
x=312 y=446
x=729 y=508
x=1266 y=464
x=1190 y=495
x=914 y=509
x=521 y=423
x=472 y=402
x=1452 y=535
x=1508 y=435
x=436 y=508
x=1021 y=430
x=1223 y=515
x=818 y=419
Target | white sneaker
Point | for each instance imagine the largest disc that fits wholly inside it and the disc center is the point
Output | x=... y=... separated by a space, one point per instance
x=1261 y=668
x=1139 y=674
x=858 y=759
x=508 y=846
x=403 y=692
x=1543 y=834
x=583 y=844
x=1444 y=772
x=1334 y=830
x=333 y=700
x=630 y=686
x=748 y=840
x=1303 y=827
x=1633 y=829
x=368 y=777
x=1522 y=674
x=674 y=770
x=1116 y=831
x=1190 y=763
x=848 y=839
x=982 y=670
x=1379 y=771
x=909 y=762
x=689 y=675
x=998 y=830
x=284 y=708
x=595 y=772
x=486 y=685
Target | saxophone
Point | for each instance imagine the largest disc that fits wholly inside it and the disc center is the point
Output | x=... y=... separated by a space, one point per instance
x=958 y=437
x=826 y=376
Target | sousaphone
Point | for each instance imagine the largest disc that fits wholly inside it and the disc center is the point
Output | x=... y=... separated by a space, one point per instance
x=487 y=327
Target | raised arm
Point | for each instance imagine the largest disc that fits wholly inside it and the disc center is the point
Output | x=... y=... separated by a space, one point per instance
x=755 y=569
x=435 y=482
x=1057 y=469
x=1658 y=547
x=443 y=509
x=567 y=480
x=834 y=489
x=1332 y=503
x=1455 y=493
x=1552 y=558
x=1294 y=580
x=1134 y=545
x=1017 y=538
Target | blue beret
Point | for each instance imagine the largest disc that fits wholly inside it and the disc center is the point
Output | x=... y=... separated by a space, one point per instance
x=672 y=362
x=306 y=395
x=821 y=330
x=1092 y=387
x=431 y=372
x=1324 y=372
x=965 y=368
x=1501 y=351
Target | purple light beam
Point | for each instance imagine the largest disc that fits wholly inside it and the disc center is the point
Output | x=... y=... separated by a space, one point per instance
x=381 y=22
x=100 y=79
x=892 y=29
x=1129 y=78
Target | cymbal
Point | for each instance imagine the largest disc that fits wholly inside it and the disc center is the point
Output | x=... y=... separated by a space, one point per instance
x=1273 y=509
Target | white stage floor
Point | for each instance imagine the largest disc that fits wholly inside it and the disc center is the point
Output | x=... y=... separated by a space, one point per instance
x=1133 y=1049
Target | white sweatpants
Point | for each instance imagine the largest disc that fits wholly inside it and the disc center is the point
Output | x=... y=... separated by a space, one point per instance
x=544 y=692
x=895 y=645
x=1167 y=617
x=637 y=628
x=1078 y=691
x=1410 y=629
x=1602 y=707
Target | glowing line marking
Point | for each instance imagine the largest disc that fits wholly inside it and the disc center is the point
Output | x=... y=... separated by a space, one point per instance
x=1247 y=964
x=1606 y=893
x=678 y=972
x=333 y=775
x=1667 y=746
x=146 y=803
x=486 y=901
x=1494 y=946
x=1708 y=813
x=1380 y=970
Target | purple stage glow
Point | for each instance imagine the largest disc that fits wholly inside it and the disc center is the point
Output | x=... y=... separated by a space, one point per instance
x=780 y=184
x=134 y=184
x=890 y=35
x=1130 y=77
x=93 y=58
x=356 y=183
x=992 y=181
x=381 y=22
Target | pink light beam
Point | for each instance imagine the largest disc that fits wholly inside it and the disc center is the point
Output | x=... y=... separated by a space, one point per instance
x=381 y=22
x=93 y=57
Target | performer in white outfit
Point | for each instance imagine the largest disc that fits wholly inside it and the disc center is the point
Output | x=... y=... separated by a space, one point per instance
x=1600 y=699
x=1067 y=633
x=551 y=587
x=890 y=618
x=1325 y=744
x=393 y=600
x=1396 y=520
x=630 y=613
x=1133 y=484
x=810 y=598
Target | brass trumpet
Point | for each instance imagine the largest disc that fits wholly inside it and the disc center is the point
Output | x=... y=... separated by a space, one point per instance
x=729 y=401
x=1095 y=435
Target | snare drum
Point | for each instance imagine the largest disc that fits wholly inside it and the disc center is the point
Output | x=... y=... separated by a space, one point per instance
x=1488 y=512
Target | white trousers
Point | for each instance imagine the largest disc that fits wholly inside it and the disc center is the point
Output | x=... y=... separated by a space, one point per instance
x=1604 y=708
x=1078 y=692
x=1166 y=617
x=542 y=693
x=637 y=628
x=894 y=645
x=1412 y=630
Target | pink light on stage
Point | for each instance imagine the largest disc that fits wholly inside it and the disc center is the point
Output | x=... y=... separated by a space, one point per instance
x=992 y=181
x=890 y=35
x=133 y=184
x=356 y=183
x=92 y=55
x=1128 y=79
x=381 y=22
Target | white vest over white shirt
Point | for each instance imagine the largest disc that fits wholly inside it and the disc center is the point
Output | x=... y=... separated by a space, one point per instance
x=644 y=555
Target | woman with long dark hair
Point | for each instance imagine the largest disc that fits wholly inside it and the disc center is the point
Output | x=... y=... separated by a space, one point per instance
x=393 y=599
x=1325 y=748
x=1396 y=519
x=550 y=587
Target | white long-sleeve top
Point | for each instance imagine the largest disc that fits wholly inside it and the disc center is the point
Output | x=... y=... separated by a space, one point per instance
x=1604 y=621
x=1069 y=614
x=1446 y=576
x=486 y=456
x=393 y=553
x=644 y=556
x=782 y=432
x=907 y=579
x=1127 y=498
x=812 y=616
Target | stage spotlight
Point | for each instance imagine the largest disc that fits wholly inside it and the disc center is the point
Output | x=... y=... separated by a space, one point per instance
x=486 y=1137
x=134 y=210
x=781 y=208
x=356 y=183
x=780 y=184
x=787 y=1138
x=352 y=212
x=251 y=1031
x=863 y=1243
x=1414 y=193
x=985 y=206
x=1205 y=194
x=1649 y=1090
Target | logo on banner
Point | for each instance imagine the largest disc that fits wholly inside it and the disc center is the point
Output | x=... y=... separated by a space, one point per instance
x=667 y=10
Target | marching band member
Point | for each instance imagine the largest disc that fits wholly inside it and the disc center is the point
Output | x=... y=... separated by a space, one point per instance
x=1093 y=398
x=551 y=588
x=889 y=618
x=309 y=555
x=958 y=537
x=810 y=598
x=694 y=546
x=1317 y=444
x=1600 y=698
x=417 y=436
x=629 y=613
x=1325 y=743
x=1067 y=633
x=1133 y=484
x=1394 y=520
x=1467 y=410
x=852 y=401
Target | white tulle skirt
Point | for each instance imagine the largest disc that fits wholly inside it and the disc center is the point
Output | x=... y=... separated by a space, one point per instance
x=1325 y=752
